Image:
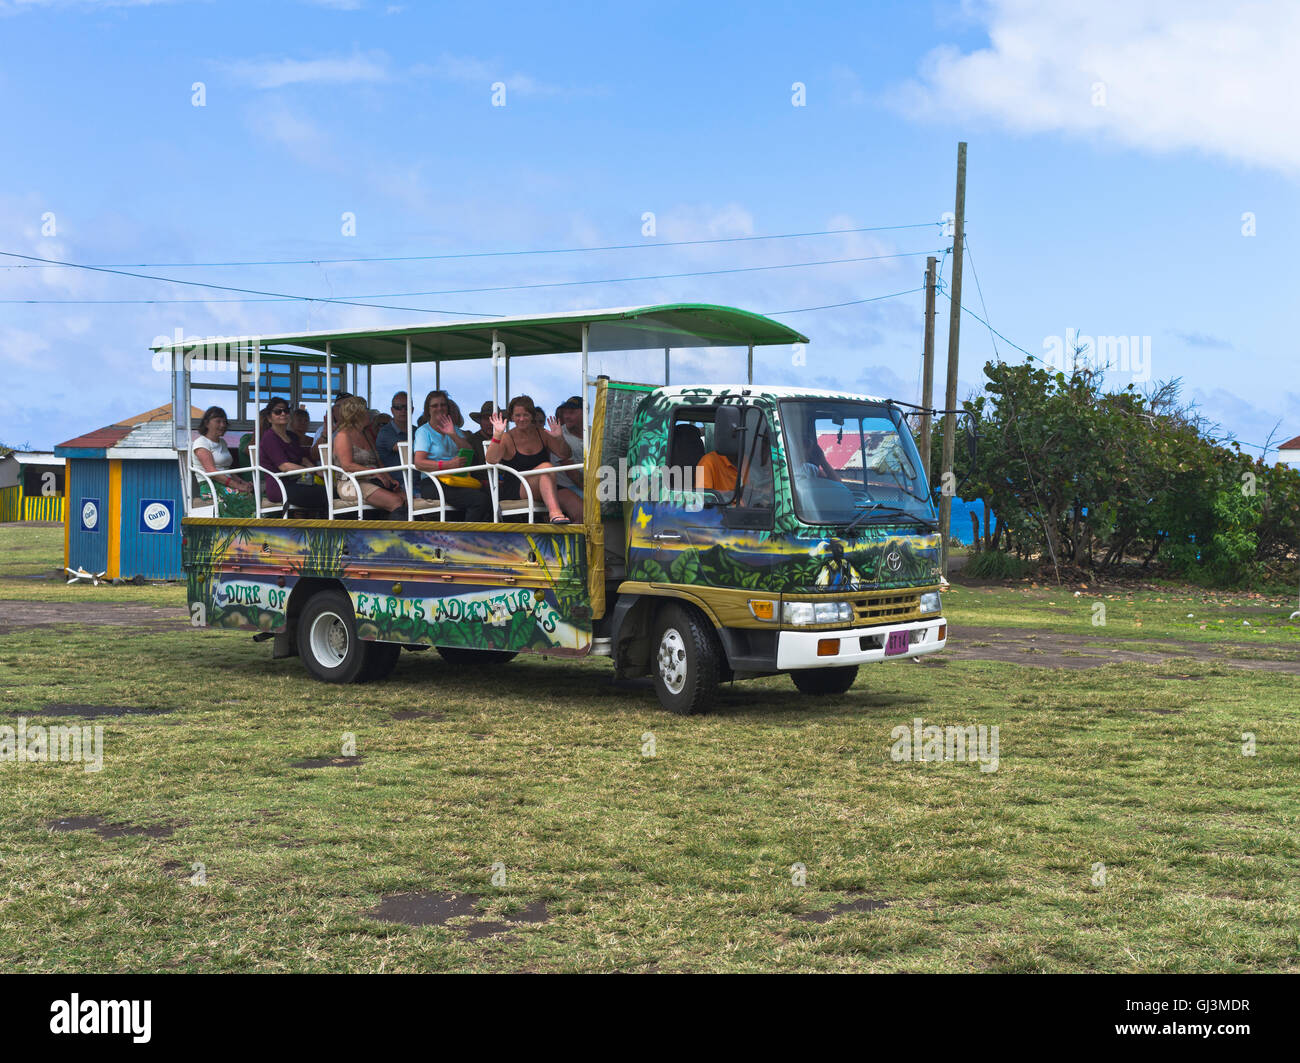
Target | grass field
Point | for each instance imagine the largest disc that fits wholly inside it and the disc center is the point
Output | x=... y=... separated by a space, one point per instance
x=680 y=861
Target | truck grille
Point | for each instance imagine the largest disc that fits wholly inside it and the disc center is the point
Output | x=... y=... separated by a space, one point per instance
x=883 y=609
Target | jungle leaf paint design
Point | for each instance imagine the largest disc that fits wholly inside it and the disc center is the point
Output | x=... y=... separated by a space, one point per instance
x=791 y=556
x=235 y=573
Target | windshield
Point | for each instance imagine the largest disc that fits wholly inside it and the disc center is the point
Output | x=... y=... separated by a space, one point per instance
x=850 y=464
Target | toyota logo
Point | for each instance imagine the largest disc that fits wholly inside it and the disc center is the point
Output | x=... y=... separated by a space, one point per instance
x=894 y=561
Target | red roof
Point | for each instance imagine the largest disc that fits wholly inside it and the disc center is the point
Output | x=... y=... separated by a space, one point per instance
x=113 y=434
x=1291 y=444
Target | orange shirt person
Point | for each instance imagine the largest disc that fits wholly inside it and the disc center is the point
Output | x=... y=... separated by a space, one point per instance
x=715 y=473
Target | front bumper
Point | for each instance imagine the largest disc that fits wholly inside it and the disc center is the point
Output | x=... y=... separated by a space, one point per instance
x=798 y=649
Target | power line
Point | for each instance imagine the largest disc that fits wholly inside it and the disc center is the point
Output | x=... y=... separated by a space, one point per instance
x=276 y=296
x=851 y=302
x=995 y=332
x=983 y=305
x=352 y=300
x=501 y=254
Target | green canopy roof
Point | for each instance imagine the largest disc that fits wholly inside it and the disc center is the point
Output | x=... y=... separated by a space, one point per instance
x=621 y=328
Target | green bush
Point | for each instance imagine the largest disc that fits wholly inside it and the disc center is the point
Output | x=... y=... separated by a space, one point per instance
x=995 y=564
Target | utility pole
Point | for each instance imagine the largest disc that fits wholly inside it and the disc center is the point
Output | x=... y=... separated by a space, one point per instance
x=927 y=381
x=954 y=331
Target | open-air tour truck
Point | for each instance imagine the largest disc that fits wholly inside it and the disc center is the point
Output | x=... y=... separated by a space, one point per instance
x=821 y=555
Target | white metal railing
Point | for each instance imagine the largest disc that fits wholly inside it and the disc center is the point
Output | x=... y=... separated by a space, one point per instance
x=209 y=478
x=272 y=508
x=529 y=503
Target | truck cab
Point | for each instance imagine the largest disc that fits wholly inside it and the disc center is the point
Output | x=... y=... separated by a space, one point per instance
x=817 y=550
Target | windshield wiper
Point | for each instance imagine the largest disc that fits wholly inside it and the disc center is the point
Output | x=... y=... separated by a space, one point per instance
x=914 y=518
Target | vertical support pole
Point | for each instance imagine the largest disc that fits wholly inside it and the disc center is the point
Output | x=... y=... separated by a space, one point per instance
x=370 y=399
x=257 y=427
x=329 y=429
x=408 y=472
x=927 y=385
x=437 y=379
x=586 y=419
x=749 y=372
x=667 y=366
x=496 y=402
x=507 y=375
x=954 y=332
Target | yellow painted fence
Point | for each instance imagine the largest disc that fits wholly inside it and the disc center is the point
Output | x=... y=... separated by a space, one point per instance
x=43 y=507
x=15 y=505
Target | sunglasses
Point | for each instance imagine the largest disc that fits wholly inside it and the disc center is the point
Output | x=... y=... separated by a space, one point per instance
x=399 y=405
x=279 y=410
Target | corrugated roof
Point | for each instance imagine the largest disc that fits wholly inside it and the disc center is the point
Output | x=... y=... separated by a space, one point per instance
x=149 y=430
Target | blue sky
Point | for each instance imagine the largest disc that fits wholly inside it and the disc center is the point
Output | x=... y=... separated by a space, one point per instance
x=1118 y=218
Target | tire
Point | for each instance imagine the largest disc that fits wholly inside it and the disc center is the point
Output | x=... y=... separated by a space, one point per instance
x=381 y=659
x=328 y=642
x=822 y=681
x=462 y=657
x=686 y=661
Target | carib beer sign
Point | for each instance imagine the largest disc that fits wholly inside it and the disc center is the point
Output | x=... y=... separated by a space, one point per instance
x=157 y=516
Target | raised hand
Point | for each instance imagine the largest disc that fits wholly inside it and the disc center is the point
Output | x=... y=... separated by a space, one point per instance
x=444 y=424
x=552 y=426
x=498 y=424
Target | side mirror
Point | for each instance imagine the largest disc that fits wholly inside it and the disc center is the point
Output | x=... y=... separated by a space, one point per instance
x=726 y=431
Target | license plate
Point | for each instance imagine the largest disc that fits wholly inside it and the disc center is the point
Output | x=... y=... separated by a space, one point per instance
x=898 y=642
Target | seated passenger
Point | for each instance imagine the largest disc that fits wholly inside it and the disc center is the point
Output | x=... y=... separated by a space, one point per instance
x=281 y=451
x=526 y=447
x=354 y=452
x=234 y=493
x=569 y=416
x=392 y=433
x=300 y=425
x=438 y=446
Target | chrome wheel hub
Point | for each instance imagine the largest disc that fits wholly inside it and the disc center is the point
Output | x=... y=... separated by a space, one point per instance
x=329 y=639
x=672 y=660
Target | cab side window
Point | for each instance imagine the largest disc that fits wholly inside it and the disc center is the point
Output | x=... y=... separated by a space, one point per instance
x=723 y=450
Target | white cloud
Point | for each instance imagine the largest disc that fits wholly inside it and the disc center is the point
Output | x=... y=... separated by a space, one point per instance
x=1176 y=75
x=299 y=136
x=276 y=73
x=482 y=73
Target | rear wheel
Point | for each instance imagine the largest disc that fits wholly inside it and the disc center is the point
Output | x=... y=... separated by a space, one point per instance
x=824 y=680
x=462 y=657
x=687 y=661
x=327 y=639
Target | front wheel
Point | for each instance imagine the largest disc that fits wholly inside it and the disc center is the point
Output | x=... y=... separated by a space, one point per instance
x=824 y=680
x=687 y=661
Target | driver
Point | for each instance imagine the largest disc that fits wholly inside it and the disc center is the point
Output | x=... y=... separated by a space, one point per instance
x=813 y=459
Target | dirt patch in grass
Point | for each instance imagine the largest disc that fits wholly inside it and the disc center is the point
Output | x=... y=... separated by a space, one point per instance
x=1048 y=649
x=109 y=830
x=18 y=615
x=862 y=904
x=57 y=708
x=327 y=762
x=438 y=909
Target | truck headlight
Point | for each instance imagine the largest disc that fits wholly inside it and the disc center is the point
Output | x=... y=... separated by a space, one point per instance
x=931 y=602
x=816 y=612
